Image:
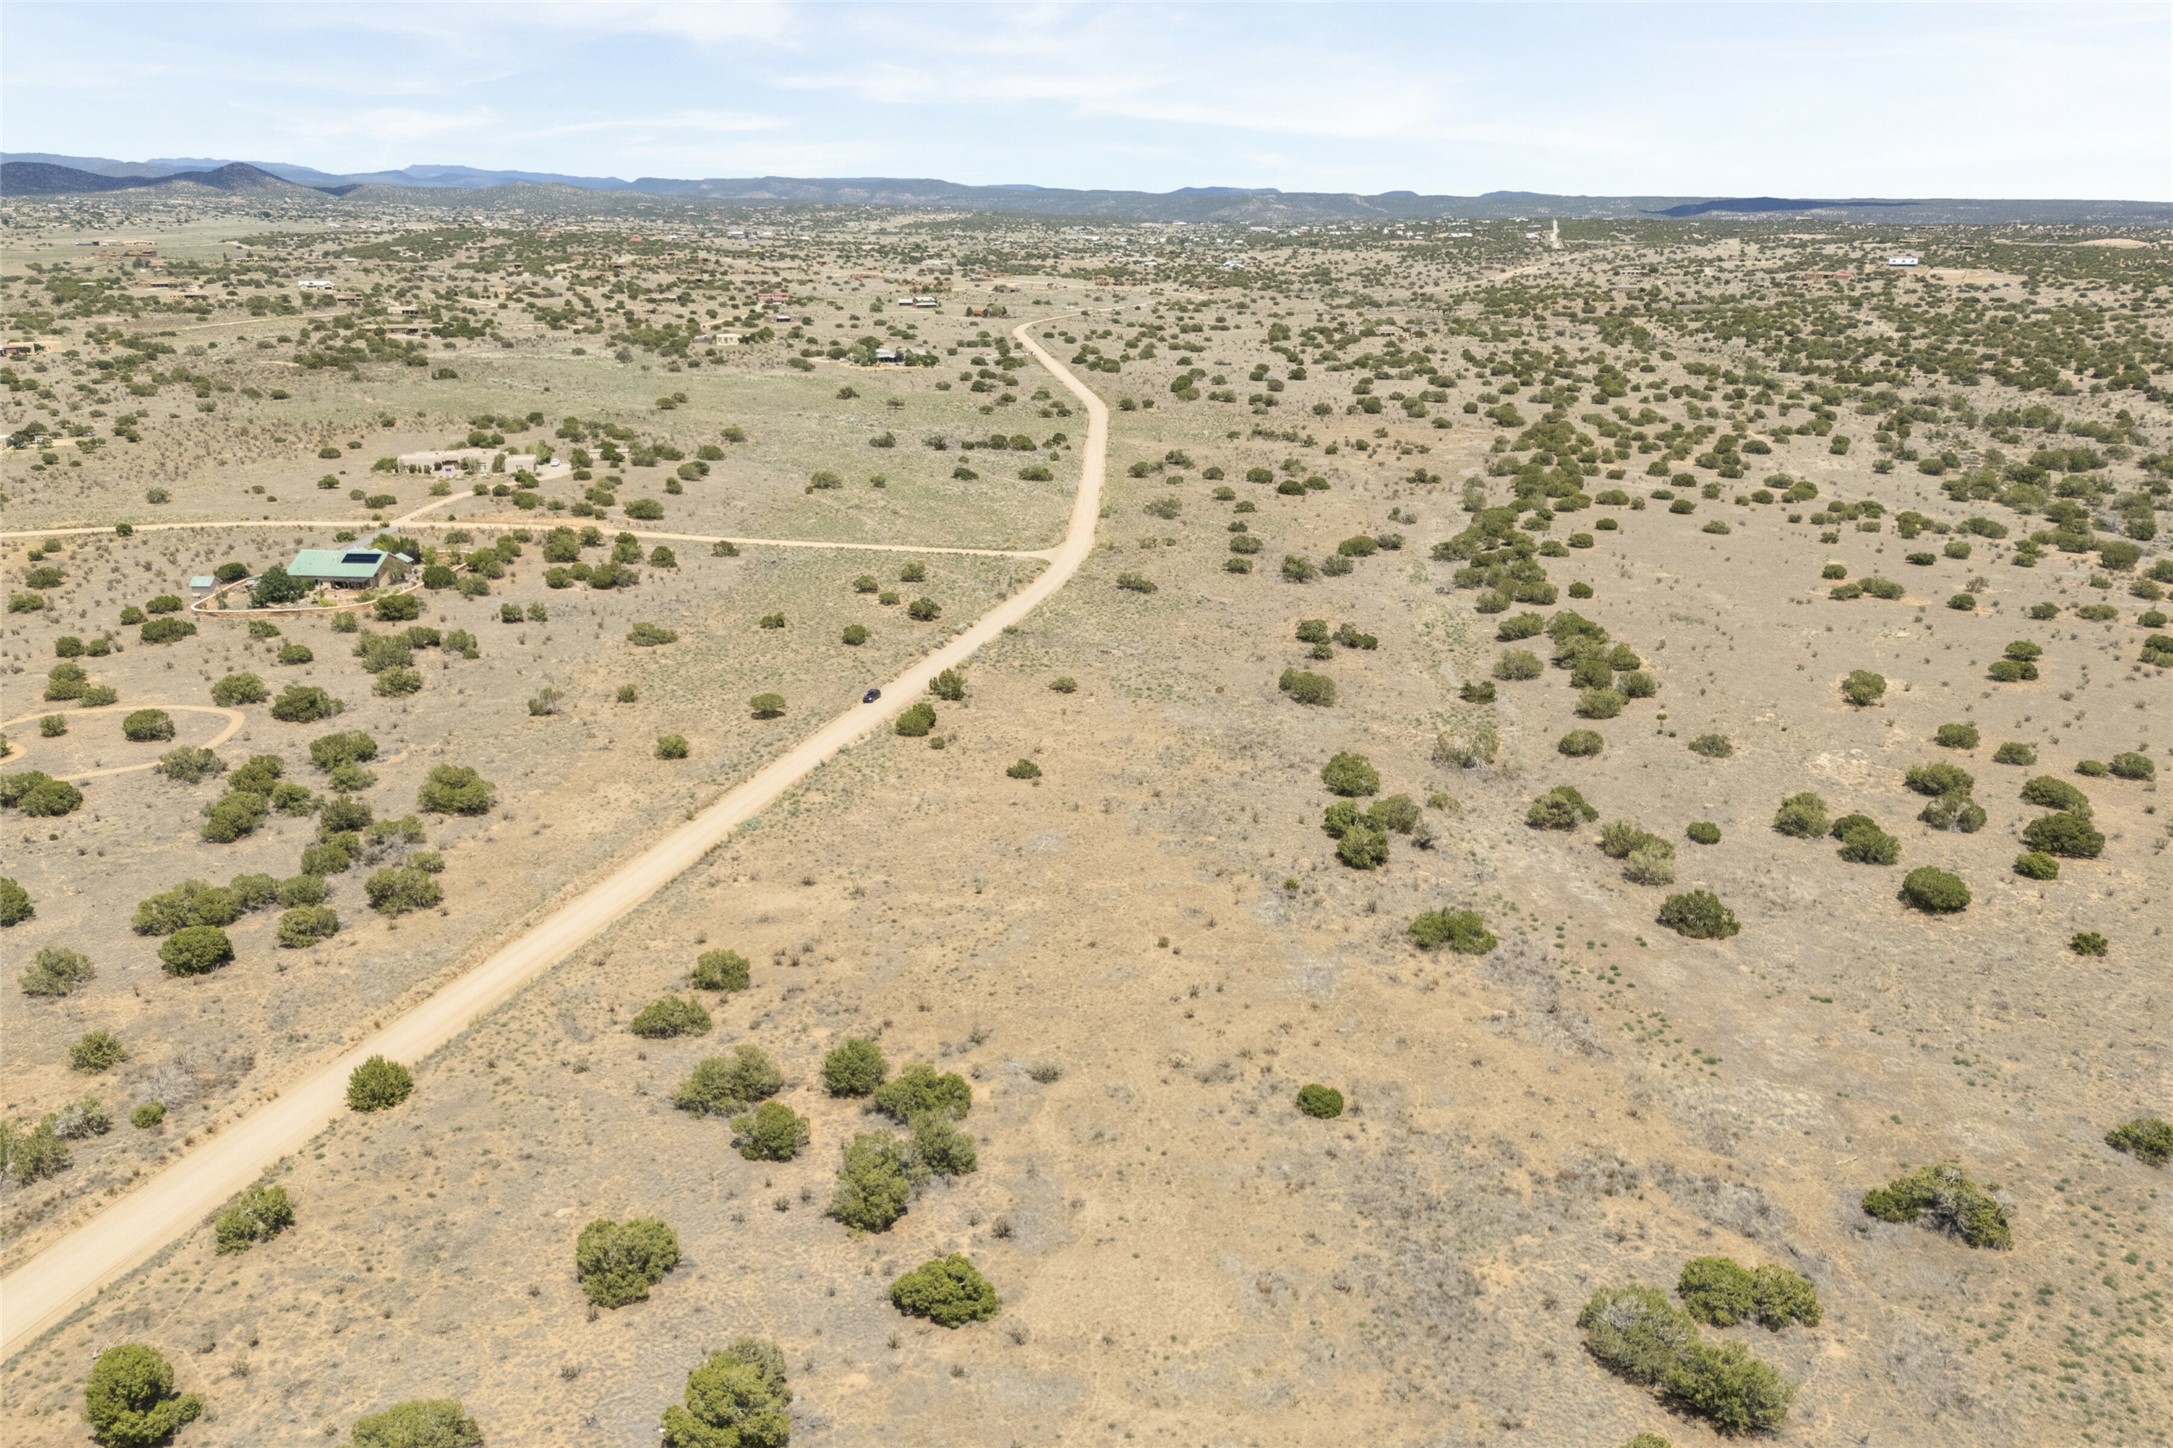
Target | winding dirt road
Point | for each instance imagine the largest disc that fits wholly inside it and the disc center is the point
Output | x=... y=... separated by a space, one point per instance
x=233 y=718
x=44 y=1290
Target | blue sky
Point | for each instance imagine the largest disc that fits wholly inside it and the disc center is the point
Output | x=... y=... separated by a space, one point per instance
x=2067 y=100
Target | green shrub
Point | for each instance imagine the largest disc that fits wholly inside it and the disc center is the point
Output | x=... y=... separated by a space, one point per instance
x=725 y=970
x=770 y=706
x=330 y=751
x=2064 y=834
x=1720 y=1292
x=1362 y=845
x=1956 y=812
x=342 y=815
x=1580 y=743
x=1863 y=688
x=1307 y=688
x=378 y=1085
x=259 y=1214
x=1323 y=1103
x=771 y=1132
x=1652 y=864
x=195 y=950
x=304 y=704
x=1698 y=915
x=1956 y=736
x=1397 y=814
x=1560 y=808
x=130 y=1399
x=1863 y=842
x=2047 y=792
x=948 y=1291
x=15 y=904
x=192 y=902
x=1462 y=931
x=2089 y=942
x=618 y=1262
x=1638 y=1333
x=397 y=683
x=1023 y=769
x=96 y=1051
x=1942 y=1197
x=1934 y=890
x=189 y=765
x=233 y=815
x=2149 y=1139
x=671 y=746
x=148 y=1115
x=1712 y=746
x=237 y=689
x=920 y=1088
x=2037 y=865
x=166 y=629
x=941 y=1147
x=146 y=725
x=455 y=789
x=1517 y=665
x=399 y=889
x=302 y=926
x=876 y=1180
x=2133 y=766
x=854 y=1067
x=418 y=1423
x=1801 y=816
x=669 y=1017
x=1938 y=779
x=1600 y=703
x=1350 y=775
x=736 y=1399
x=35 y=1154
x=721 y=1085
x=57 y=971
x=1703 y=832
x=649 y=635
x=917 y=721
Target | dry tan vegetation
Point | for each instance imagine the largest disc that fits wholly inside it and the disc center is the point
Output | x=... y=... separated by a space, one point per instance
x=1138 y=957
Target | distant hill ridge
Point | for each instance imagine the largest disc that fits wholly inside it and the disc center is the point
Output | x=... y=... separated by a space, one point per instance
x=28 y=174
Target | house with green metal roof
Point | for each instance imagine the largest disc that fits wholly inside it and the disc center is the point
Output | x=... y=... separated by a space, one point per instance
x=345 y=567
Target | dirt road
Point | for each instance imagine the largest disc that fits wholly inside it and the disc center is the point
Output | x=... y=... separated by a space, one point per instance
x=233 y=717
x=413 y=521
x=121 y=1237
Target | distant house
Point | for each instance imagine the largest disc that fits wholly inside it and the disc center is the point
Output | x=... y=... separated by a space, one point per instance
x=202 y=584
x=1901 y=259
x=347 y=567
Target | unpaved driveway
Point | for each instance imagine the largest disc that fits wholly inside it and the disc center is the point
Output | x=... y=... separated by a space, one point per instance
x=37 y=1295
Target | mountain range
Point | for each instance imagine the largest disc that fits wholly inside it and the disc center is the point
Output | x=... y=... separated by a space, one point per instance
x=25 y=173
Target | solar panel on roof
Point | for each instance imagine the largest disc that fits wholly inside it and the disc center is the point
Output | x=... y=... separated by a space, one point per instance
x=359 y=558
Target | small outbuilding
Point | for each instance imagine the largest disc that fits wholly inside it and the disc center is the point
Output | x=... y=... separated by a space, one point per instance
x=346 y=567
